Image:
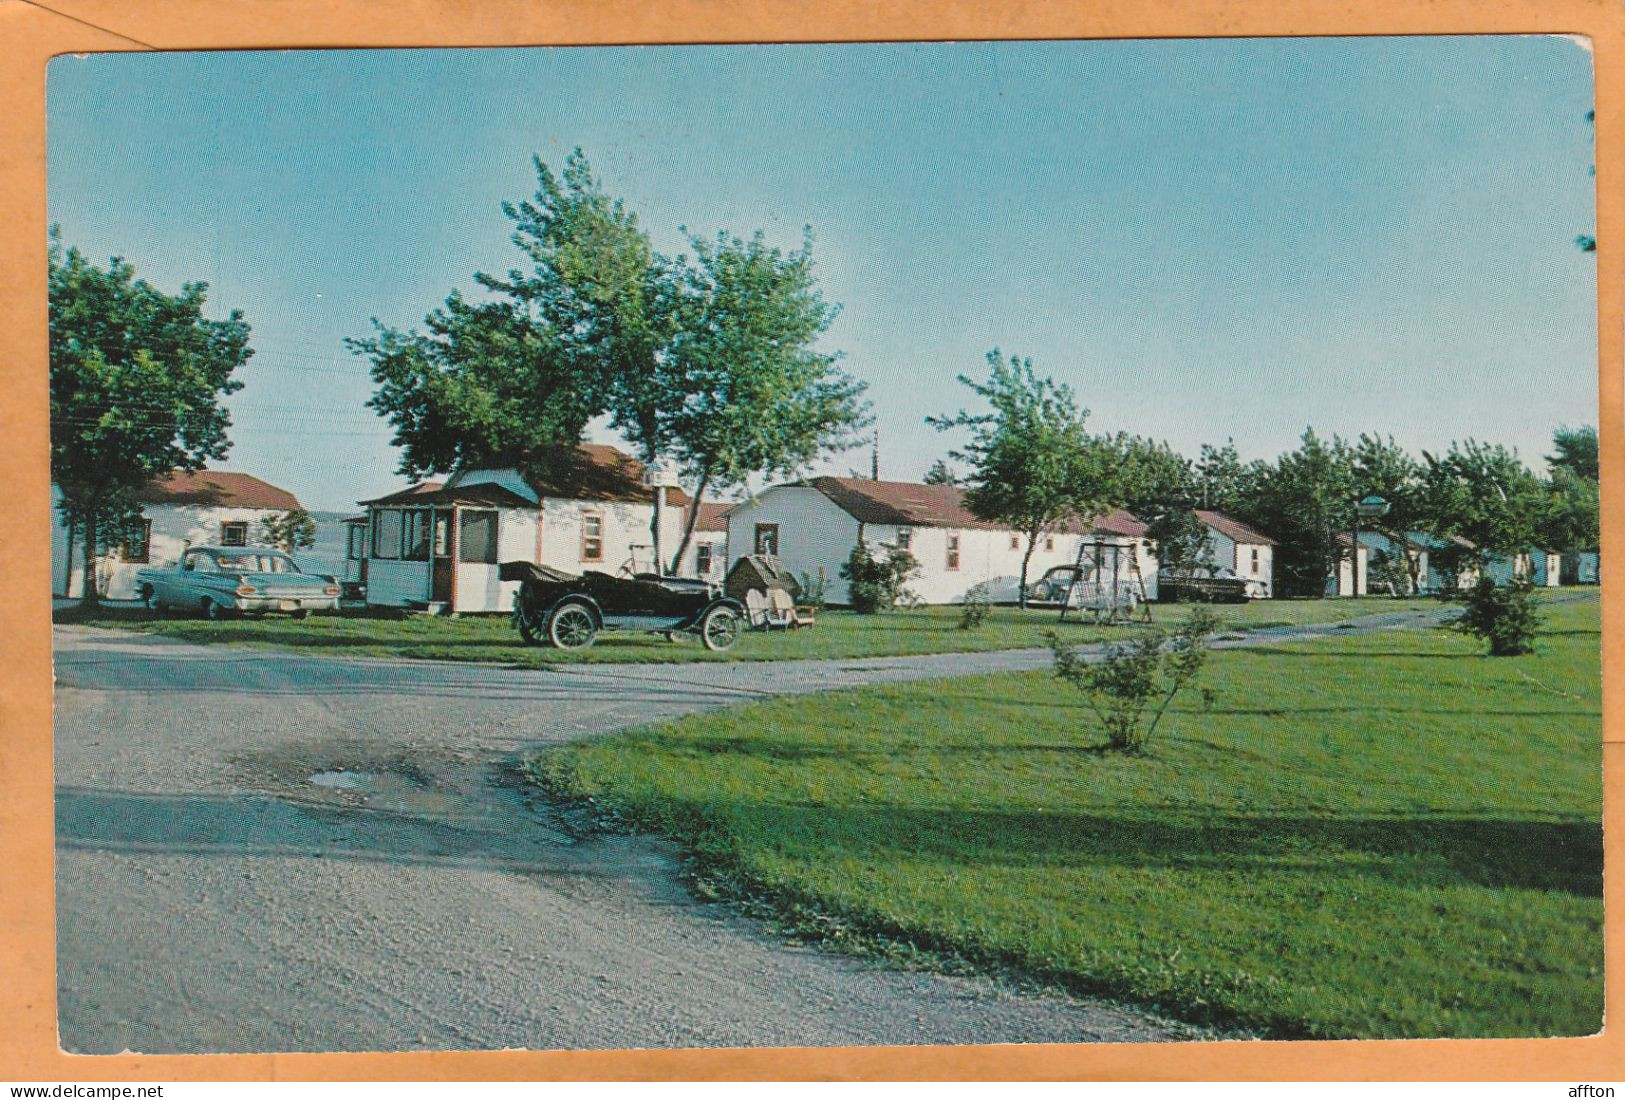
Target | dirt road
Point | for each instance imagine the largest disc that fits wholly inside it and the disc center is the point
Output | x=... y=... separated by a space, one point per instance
x=268 y=851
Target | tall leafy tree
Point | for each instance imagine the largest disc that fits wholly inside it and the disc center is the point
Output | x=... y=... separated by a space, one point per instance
x=1305 y=500
x=1161 y=487
x=485 y=384
x=1575 y=450
x=1383 y=468
x=711 y=363
x=137 y=379
x=1483 y=493
x=1032 y=464
x=1223 y=480
x=941 y=473
x=750 y=391
x=597 y=283
x=1571 y=519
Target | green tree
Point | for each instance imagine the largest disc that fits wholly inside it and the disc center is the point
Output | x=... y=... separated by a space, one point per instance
x=1575 y=450
x=1031 y=462
x=941 y=473
x=1305 y=500
x=711 y=364
x=291 y=530
x=1161 y=487
x=486 y=384
x=1383 y=468
x=137 y=377
x=1483 y=493
x=1224 y=482
x=750 y=391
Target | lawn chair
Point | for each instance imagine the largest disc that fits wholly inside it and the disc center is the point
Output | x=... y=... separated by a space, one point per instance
x=783 y=605
x=762 y=614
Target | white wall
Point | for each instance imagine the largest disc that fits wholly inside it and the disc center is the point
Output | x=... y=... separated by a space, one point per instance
x=718 y=542
x=814 y=533
x=174 y=528
x=1227 y=553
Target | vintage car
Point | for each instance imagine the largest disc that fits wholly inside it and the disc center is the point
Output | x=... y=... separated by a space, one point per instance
x=1208 y=585
x=1056 y=587
x=223 y=580
x=568 y=611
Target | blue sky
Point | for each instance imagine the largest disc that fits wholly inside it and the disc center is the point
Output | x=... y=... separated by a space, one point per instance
x=1206 y=239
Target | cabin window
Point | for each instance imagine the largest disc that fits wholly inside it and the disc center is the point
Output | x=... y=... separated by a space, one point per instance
x=1049 y=542
x=477 y=537
x=1015 y=542
x=415 y=534
x=442 y=534
x=767 y=539
x=702 y=559
x=234 y=533
x=138 y=543
x=592 y=536
x=953 y=551
x=386 y=534
x=905 y=538
x=356 y=549
x=1255 y=561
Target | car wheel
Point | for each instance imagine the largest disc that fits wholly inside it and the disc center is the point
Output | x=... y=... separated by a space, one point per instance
x=149 y=597
x=214 y=612
x=572 y=627
x=531 y=633
x=302 y=613
x=719 y=629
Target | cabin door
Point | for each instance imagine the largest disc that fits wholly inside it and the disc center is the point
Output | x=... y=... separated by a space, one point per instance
x=443 y=556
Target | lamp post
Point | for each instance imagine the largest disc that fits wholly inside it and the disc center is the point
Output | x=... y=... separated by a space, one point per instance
x=1372 y=507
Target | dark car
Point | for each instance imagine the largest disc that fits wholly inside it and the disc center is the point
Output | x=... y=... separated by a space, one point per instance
x=1206 y=586
x=568 y=611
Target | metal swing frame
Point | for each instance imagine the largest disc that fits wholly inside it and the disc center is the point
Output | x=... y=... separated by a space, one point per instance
x=1119 y=599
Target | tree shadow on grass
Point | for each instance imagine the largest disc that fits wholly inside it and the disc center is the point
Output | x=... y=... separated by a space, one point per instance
x=1407 y=849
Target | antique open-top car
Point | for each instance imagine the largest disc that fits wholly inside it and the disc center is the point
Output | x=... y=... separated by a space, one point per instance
x=568 y=611
x=224 y=580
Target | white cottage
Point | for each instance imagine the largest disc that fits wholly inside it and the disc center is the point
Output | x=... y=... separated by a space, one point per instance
x=707 y=553
x=187 y=508
x=812 y=526
x=1248 y=553
x=439 y=545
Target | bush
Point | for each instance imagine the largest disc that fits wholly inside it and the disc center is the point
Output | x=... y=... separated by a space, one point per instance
x=876 y=584
x=1502 y=615
x=1122 y=686
x=813 y=587
x=977 y=606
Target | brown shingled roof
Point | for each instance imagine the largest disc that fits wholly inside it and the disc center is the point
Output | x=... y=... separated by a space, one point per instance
x=713 y=516
x=1233 y=529
x=913 y=504
x=592 y=471
x=217 y=488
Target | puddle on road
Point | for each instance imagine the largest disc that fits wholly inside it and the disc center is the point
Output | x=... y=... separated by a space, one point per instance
x=396 y=793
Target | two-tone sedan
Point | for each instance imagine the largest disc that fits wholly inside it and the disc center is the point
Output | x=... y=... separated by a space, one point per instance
x=220 y=581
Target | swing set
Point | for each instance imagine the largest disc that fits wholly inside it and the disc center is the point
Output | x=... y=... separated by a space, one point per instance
x=1107 y=585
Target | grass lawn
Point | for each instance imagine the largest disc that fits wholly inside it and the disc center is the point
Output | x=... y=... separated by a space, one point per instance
x=837 y=634
x=1376 y=835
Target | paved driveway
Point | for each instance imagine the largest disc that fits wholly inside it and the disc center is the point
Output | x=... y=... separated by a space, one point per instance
x=269 y=851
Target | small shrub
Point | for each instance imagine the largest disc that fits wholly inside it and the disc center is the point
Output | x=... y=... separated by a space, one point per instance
x=1130 y=678
x=877 y=583
x=1502 y=615
x=813 y=588
x=977 y=607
